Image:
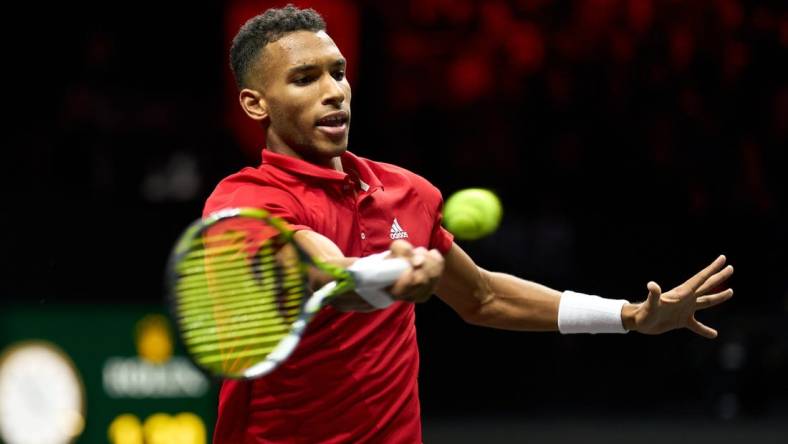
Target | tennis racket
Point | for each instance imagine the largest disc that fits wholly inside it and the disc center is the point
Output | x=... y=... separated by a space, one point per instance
x=239 y=288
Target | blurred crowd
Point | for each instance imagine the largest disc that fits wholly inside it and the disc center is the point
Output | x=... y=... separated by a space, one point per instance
x=630 y=140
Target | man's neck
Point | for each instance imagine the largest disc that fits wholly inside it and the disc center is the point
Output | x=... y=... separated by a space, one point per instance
x=334 y=163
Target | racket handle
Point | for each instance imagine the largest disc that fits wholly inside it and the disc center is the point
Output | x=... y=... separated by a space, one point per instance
x=376 y=272
x=373 y=273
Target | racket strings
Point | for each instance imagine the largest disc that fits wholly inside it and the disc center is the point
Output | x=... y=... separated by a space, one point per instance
x=208 y=328
x=263 y=337
x=230 y=362
x=195 y=285
x=241 y=329
x=228 y=235
x=219 y=261
x=233 y=314
x=195 y=288
x=237 y=299
x=208 y=282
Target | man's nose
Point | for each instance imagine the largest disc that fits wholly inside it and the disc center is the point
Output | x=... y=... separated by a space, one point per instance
x=333 y=93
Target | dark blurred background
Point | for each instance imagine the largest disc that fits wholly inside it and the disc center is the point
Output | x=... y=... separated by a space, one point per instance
x=630 y=140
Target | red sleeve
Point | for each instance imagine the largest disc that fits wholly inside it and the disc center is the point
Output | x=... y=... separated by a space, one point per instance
x=278 y=202
x=440 y=238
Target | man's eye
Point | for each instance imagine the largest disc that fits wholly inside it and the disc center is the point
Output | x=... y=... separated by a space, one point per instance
x=339 y=75
x=303 y=80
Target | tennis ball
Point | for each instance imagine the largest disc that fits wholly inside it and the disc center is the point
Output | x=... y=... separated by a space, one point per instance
x=472 y=213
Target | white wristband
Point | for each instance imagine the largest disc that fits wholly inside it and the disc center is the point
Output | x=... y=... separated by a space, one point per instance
x=373 y=273
x=583 y=313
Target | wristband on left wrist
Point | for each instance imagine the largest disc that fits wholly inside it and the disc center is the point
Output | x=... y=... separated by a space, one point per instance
x=583 y=313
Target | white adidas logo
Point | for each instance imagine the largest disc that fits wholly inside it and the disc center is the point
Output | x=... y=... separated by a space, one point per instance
x=397 y=232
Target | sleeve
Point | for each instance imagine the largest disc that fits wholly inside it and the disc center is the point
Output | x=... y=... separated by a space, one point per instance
x=440 y=238
x=276 y=201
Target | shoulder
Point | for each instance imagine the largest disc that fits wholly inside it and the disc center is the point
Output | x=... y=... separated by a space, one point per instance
x=389 y=172
x=249 y=187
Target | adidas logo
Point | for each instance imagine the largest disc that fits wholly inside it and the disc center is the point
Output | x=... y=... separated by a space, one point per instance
x=397 y=232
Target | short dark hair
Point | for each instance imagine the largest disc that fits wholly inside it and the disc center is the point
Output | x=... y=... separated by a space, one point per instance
x=266 y=28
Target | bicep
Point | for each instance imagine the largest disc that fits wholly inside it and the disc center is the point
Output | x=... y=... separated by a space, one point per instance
x=464 y=286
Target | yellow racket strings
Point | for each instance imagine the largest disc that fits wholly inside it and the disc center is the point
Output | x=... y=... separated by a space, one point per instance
x=237 y=297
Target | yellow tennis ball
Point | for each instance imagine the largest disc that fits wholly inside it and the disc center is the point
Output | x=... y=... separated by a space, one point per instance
x=472 y=213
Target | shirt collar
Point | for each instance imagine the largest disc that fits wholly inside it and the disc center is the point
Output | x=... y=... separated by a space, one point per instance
x=368 y=179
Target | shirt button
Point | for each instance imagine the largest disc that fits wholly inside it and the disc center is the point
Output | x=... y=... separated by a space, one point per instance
x=363 y=236
x=345 y=187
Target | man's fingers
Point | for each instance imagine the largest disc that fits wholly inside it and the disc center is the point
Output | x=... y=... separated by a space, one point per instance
x=416 y=256
x=696 y=281
x=436 y=255
x=401 y=248
x=402 y=284
x=695 y=326
x=413 y=286
x=654 y=292
x=716 y=280
x=409 y=281
x=419 y=257
x=713 y=299
x=418 y=283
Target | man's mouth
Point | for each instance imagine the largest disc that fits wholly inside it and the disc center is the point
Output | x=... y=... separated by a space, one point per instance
x=334 y=124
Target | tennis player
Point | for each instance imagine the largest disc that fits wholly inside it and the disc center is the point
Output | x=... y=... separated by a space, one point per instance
x=353 y=379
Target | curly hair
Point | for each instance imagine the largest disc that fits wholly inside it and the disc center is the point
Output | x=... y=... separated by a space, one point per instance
x=266 y=28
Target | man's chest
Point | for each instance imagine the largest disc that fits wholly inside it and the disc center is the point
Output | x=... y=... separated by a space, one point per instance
x=364 y=224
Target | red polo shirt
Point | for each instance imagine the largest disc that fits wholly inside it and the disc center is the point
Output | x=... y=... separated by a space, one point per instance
x=353 y=377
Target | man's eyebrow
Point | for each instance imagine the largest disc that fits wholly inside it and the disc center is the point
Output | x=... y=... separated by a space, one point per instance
x=339 y=63
x=302 y=68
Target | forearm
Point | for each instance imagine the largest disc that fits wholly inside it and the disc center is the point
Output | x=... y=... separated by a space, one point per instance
x=503 y=301
x=512 y=303
x=517 y=304
x=323 y=250
x=496 y=300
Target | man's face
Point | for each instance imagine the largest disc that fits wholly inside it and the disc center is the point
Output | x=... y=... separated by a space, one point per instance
x=306 y=94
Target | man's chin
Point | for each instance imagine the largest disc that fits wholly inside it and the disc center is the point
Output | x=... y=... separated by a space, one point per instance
x=332 y=149
x=323 y=153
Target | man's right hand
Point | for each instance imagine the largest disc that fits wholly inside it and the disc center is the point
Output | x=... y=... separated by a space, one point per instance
x=420 y=282
x=417 y=284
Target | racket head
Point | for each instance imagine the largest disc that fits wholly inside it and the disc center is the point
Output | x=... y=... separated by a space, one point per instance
x=238 y=288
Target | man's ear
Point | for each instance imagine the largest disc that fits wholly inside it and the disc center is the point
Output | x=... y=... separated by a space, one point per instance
x=253 y=104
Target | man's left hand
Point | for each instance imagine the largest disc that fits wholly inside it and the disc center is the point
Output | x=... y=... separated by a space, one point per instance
x=662 y=312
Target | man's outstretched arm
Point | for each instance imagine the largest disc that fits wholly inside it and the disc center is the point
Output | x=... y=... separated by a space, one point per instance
x=503 y=301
